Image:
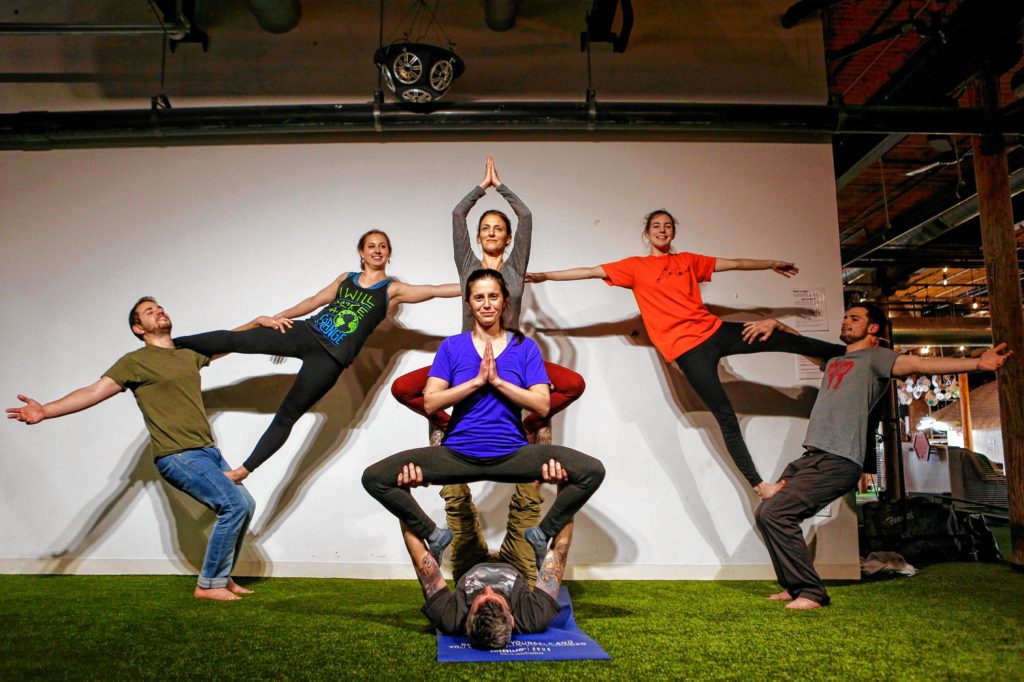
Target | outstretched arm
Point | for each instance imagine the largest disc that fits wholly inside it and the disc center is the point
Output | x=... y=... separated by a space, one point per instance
x=283 y=320
x=784 y=268
x=596 y=272
x=762 y=330
x=400 y=292
x=549 y=578
x=427 y=569
x=87 y=396
x=989 y=361
x=819 y=351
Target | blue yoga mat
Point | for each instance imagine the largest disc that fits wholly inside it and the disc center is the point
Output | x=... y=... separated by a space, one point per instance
x=562 y=641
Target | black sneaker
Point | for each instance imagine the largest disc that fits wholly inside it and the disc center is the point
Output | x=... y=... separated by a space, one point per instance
x=538 y=539
x=438 y=546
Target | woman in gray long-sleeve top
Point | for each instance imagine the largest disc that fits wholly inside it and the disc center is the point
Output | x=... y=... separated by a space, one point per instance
x=494 y=235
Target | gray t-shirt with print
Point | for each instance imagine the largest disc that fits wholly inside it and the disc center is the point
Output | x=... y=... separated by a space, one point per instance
x=852 y=385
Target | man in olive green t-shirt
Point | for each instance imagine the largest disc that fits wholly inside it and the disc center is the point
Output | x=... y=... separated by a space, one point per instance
x=165 y=382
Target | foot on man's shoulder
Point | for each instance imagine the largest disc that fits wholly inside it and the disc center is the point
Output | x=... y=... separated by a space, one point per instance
x=781 y=596
x=538 y=539
x=438 y=541
x=235 y=588
x=539 y=436
x=215 y=594
x=803 y=604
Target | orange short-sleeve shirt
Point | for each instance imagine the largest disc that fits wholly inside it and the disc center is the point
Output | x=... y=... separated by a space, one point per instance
x=667 y=291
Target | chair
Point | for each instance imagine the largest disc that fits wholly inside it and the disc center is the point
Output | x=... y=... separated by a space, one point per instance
x=973 y=477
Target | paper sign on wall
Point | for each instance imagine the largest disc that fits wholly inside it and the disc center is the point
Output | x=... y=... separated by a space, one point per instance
x=810 y=310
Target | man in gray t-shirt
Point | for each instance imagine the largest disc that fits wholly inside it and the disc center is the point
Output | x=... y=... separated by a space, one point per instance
x=835 y=442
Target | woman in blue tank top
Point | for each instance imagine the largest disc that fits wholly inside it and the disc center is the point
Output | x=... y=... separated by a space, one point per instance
x=351 y=307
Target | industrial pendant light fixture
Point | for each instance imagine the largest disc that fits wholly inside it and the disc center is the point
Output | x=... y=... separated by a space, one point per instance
x=417 y=72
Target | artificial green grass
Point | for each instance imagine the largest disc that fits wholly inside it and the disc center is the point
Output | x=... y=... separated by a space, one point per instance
x=952 y=621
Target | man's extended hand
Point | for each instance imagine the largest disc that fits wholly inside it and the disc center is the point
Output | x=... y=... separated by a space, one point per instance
x=238 y=475
x=990 y=360
x=30 y=413
x=411 y=476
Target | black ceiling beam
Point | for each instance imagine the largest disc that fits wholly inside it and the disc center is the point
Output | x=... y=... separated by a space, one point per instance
x=803 y=9
x=983 y=35
x=51 y=130
x=917 y=257
x=942 y=220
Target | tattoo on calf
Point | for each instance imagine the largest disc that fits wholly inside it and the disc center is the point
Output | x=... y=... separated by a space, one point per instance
x=430 y=576
x=551 y=570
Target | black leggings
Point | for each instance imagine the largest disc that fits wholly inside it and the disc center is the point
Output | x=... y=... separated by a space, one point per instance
x=700 y=365
x=441 y=465
x=319 y=372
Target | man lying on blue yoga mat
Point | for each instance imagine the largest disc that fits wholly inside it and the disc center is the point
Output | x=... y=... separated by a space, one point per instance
x=491 y=600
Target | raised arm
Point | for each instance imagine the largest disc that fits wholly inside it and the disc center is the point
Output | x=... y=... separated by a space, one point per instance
x=87 y=396
x=784 y=268
x=595 y=272
x=549 y=578
x=989 y=361
x=519 y=258
x=462 y=246
x=427 y=570
x=400 y=292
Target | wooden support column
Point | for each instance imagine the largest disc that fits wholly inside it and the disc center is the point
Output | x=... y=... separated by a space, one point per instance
x=1002 y=269
x=891 y=446
x=965 y=412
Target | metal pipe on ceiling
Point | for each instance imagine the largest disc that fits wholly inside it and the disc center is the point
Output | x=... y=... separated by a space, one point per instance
x=175 y=31
x=49 y=130
x=941 y=331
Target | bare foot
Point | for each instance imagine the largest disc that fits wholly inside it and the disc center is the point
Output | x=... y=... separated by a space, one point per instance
x=803 y=604
x=235 y=588
x=766 y=490
x=541 y=436
x=215 y=593
x=781 y=596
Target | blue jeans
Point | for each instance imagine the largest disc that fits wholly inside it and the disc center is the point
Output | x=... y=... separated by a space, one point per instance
x=200 y=475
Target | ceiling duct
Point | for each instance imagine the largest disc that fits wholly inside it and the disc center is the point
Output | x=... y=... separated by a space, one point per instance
x=200 y=125
x=941 y=331
x=276 y=16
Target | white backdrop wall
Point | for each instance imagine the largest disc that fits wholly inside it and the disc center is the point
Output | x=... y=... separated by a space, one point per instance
x=220 y=235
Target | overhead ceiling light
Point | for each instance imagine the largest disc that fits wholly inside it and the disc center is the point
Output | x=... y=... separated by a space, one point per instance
x=418 y=73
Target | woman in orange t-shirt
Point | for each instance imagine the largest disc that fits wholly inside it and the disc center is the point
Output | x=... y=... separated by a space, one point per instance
x=666 y=287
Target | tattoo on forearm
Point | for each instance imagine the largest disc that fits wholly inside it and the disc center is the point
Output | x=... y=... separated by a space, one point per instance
x=430 y=576
x=553 y=567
